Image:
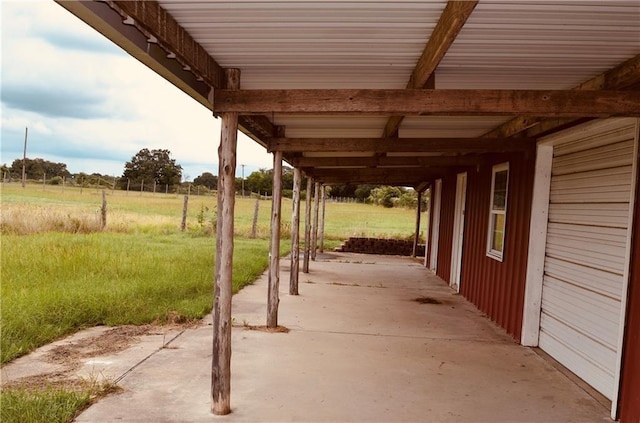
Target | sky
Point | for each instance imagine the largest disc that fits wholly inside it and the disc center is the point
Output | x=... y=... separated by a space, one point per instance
x=89 y=104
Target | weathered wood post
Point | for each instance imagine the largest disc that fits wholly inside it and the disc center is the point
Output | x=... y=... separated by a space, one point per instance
x=185 y=208
x=221 y=359
x=254 y=224
x=295 y=233
x=103 y=211
x=307 y=227
x=323 y=194
x=314 y=230
x=274 y=248
x=416 y=238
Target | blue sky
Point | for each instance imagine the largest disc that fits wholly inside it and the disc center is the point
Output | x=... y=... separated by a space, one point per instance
x=89 y=104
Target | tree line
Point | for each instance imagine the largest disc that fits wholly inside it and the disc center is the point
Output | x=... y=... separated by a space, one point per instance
x=155 y=170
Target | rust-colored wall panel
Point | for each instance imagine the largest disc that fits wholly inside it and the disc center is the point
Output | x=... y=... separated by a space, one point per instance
x=445 y=237
x=630 y=389
x=496 y=288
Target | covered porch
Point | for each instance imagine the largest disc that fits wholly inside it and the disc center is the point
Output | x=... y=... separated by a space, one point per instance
x=359 y=348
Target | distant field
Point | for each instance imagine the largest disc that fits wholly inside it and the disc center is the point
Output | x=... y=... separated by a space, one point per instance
x=61 y=272
x=134 y=212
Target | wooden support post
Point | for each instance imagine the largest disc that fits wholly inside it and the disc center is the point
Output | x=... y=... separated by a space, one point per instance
x=314 y=230
x=295 y=233
x=416 y=237
x=274 y=248
x=307 y=227
x=221 y=357
x=321 y=230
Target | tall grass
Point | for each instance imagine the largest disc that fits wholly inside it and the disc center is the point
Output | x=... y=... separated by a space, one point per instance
x=54 y=284
x=32 y=210
x=49 y=405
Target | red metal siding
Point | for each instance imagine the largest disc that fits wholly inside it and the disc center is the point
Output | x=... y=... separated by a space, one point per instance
x=445 y=238
x=497 y=288
x=630 y=389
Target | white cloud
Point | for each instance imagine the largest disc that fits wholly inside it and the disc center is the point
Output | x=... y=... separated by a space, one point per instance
x=90 y=105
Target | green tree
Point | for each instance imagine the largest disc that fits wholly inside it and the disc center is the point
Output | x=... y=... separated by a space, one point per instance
x=260 y=181
x=385 y=196
x=37 y=168
x=207 y=179
x=149 y=166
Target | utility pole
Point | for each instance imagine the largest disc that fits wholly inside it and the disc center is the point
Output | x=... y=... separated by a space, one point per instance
x=24 y=158
x=242 y=179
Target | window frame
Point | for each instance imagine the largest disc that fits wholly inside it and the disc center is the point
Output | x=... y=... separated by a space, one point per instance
x=491 y=252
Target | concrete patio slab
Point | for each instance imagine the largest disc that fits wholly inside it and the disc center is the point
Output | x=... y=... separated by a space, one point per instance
x=360 y=349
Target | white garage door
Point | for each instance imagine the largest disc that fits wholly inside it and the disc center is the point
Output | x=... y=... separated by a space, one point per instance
x=586 y=251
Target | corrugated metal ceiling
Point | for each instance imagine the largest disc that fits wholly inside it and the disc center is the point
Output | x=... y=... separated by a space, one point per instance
x=540 y=45
x=375 y=44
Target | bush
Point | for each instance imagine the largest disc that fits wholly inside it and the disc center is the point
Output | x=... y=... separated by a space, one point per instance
x=56 y=180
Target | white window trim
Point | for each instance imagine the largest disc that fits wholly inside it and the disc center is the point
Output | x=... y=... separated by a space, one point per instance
x=495 y=254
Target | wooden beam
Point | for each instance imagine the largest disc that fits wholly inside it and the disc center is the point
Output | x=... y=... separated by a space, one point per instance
x=274 y=247
x=399 y=145
x=295 y=233
x=545 y=103
x=624 y=76
x=403 y=177
x=307 y=227
x=314 y=228
x=259 y=126
x=109 y=22
x=548 y=126
x=221 y=355
x=159 y=24
x=395 y=161
x=451 y=21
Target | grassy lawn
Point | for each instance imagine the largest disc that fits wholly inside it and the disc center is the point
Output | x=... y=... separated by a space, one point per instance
x=61 y=273
x=55 y=283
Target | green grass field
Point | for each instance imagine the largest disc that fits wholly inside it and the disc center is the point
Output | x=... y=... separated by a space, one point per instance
x=61 y=272
x=58 y=277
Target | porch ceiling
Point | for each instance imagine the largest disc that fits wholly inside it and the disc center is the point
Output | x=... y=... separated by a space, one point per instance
x=390 y=45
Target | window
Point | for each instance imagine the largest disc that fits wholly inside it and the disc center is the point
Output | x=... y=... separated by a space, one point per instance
x=498 y=211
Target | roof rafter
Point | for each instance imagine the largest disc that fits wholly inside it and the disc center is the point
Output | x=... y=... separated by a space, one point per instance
x=546 y=103
x=398 y=145
x=173 y=37
x=625 y=75
x=398 y=176
x=453 y=18
x=109 y=22
x=394 y=161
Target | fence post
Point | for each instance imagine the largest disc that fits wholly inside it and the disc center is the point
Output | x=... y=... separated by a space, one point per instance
x=254 y=225
x=103 y=211
x=185 y=204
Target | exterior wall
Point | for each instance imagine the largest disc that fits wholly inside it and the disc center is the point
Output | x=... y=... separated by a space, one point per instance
x=445 y=241
x=630 y=388
x=497 y=288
